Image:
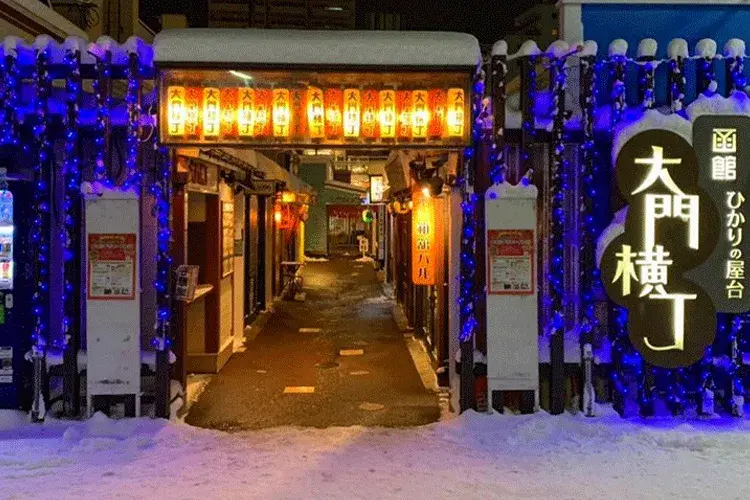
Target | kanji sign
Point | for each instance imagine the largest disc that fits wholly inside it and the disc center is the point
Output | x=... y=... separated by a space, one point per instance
x=510 y=262
x=423 y=241
x=111 y=271
x=672 y=228
x=721 y=143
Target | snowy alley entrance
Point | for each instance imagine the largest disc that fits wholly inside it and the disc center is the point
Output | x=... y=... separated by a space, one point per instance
x=336 y=359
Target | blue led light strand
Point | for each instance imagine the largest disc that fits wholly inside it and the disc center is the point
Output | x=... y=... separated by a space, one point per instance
x=133 y=101
x=101 y=84
x=11 y=82
x=529 y=124
x=617 y=74
x=677 y=83
x=161 y=189
x=647 y=84
x=497 y=153
x=39 y=234
x=72 y=175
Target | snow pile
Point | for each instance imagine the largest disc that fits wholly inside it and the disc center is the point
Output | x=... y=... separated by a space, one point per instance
x=647 y=120
x=612 y=231
x=736 y=104
x=472 y=456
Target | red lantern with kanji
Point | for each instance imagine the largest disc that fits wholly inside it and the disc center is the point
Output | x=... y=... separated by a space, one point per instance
x=229 y=111
x=334 y=103
x=403 y=108
x=370 y=114
x=437 y=101
x=263 y=110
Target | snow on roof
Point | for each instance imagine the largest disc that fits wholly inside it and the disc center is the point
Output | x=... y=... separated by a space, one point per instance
x=339 y=48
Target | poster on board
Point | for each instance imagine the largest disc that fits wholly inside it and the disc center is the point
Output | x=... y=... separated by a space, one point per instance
x=510 y=261
x=112 y=261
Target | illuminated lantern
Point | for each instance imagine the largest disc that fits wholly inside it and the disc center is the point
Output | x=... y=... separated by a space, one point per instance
x=229 y=111
x=436 y=102
x=423 y=240
x=176 y=110
x=403 y=108
x=246 y=112
x=420 y=114
x=277 y=213
x=211 y=112
x=299 y=109
x=193 y=101
x=263 y=100
x=334 y=103
x=352 y=105
x=315 y=114
x=455 y=118
x=281 y=113
x=370 y=114
x=387 y=114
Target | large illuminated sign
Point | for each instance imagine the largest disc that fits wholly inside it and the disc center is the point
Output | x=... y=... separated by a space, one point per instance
x=266 y=108
x=672 y=228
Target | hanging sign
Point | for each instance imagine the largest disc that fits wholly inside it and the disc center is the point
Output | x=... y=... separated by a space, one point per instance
x=721 y=143
x=112 y=264
x=377 y=188
x=672 y=227
x=306 y=109
x=423 y=248
x=510 y=261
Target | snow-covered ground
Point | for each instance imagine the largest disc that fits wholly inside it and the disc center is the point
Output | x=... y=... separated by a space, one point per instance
x=473 y=456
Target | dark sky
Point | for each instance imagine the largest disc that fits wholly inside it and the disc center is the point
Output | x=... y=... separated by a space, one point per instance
x=488 y=20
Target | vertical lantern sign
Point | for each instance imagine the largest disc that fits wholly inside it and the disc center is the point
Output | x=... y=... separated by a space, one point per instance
x=403 y=107
x=229 y=112
x=281 y=114
x=351 y=113
x=334 y=102
x=456 y=104
x=387 y=114
x=193 y=101
x=436 y=100
x=315 y=114
x=262 y=126
x=369 y=114
x=420 y=114
x=246 y=112
x=299 y=110
x=423 y=258
x=176 y=111
x=211 y=112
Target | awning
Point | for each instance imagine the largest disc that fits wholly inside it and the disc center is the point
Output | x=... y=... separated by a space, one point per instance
x=256 y=47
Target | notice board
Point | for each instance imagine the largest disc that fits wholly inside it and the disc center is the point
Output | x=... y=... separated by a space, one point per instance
x=510 y=261
x=113 y=306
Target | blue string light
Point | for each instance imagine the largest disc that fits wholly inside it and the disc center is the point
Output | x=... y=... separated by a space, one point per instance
x=11 y=82
x=559 y=185
x=738 y=78
x=132 y=99
x=497 y=154
x=72 y=183
x=103 y=70
x=647 y=83
x=617 y=76
x=529 y=123
x=39 y=233
x=708 y=78
x=467 y=296
x=677 y=84
x=161 y=189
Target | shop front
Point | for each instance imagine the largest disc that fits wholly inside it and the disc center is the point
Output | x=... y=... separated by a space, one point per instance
x=359 y=93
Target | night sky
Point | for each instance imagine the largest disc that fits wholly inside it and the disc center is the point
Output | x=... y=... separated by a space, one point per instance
x=488 y=20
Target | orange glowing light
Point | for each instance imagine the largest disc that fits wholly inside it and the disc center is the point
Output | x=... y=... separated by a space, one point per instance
x=436 y=101
x=403 y=108
x=420 y=114
x=352 y=105
x=387 y=114
x=455 y=118
x=211 y=112
x=176 y=110
x=193 y=101
x=370 y=114
x=281 y=114
x=315 y=114
x=229 y=111
x=246 y=112
x=334 y=103
x=423 y=242
x=263 y=101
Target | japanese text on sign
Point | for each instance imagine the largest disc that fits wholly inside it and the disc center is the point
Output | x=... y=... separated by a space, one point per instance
x=424 y=258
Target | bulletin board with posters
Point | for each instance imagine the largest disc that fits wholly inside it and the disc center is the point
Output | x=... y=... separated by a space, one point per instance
x=112 y=266
x=510 y=262
x=227 y=238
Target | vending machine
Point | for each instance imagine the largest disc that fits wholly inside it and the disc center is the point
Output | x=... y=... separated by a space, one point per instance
x=15 y=293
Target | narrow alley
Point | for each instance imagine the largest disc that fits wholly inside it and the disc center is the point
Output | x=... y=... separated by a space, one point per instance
x=336 y=359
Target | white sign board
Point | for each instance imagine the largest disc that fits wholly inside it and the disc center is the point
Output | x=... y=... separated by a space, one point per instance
x=113 y=316
x=512 y=329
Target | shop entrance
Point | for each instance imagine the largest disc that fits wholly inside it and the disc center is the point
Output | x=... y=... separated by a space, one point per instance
x=338 y=355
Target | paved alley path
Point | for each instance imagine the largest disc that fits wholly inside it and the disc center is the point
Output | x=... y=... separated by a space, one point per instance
x=380 y=387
